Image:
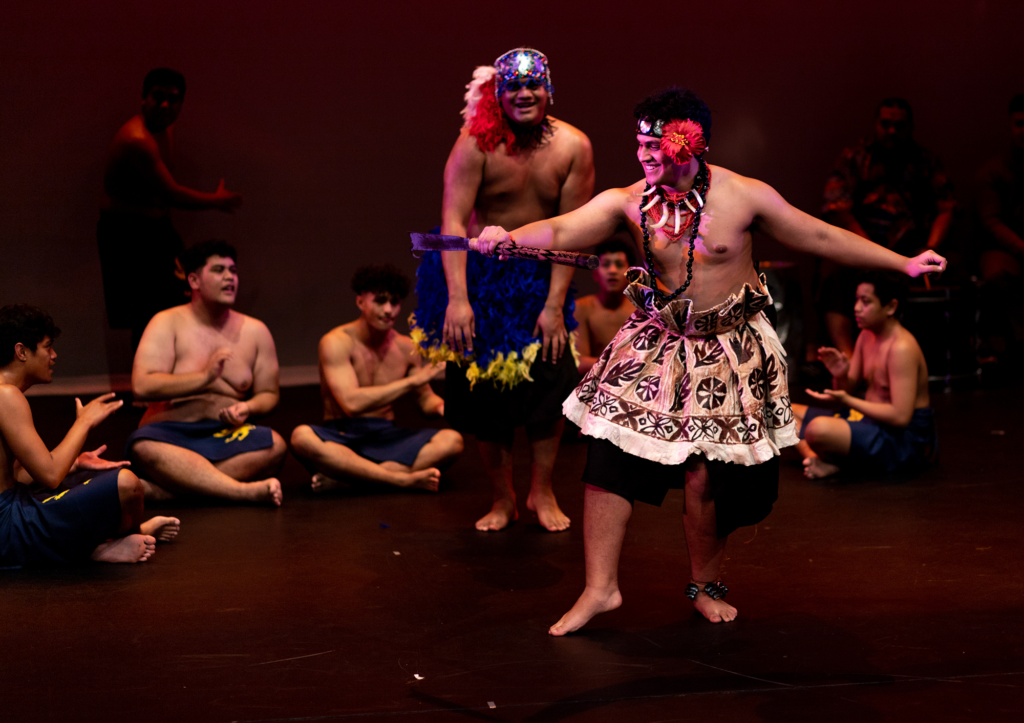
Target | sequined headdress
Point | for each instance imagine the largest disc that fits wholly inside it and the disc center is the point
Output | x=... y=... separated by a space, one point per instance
x=523 y=65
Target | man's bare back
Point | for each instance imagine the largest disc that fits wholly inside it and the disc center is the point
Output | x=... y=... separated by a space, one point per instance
x=374 y=366
x=178 y=342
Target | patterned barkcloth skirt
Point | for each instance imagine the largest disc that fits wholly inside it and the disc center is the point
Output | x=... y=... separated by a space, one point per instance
x=675 y=382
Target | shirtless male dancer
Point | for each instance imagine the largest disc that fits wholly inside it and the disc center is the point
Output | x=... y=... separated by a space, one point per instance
x=139 y=247
x=601 y=315
x=365 y=366
x=692 y=391
x=206 y=371
x=892 y=427
x=512 y=164
x=99 y=518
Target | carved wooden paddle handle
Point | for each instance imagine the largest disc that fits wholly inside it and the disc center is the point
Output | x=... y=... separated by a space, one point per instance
x=563 y=258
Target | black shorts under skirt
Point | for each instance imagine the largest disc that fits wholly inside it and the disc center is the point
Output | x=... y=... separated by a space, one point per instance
x=743 y=495
x=492 y=414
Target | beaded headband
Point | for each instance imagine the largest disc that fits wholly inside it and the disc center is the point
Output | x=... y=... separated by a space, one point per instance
x=522 y=65
x=680 y=139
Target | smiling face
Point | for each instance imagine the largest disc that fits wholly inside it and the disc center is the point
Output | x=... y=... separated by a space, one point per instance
x=525 y=102
x=610 y=275
x=161 y=106
x=659 y=168
x=379 y=309
x=868 y=309
x=216 y=282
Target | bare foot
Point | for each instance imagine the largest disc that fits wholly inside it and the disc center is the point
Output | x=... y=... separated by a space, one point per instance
x=817 y=468
x=323 y=483
x=549 y=514
x=503 y=512
x=130 y=548
x=591 y=603
x=154 y=492
x=717 y=611
x=426 y=479
x=265 y=490
x=164 y=529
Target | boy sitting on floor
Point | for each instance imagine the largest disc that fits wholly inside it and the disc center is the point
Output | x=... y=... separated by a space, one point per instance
x=892 y=427
x=99 y=518
x=365 y=366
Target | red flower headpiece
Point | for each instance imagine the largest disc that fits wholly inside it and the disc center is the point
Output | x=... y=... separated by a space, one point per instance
x=682 y=140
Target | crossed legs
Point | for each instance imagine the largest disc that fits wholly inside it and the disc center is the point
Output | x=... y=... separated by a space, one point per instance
x=544 y=439
x=605 y=515
x=335 y=462
x=175 y=470
x=136 y=540
x=826 y=442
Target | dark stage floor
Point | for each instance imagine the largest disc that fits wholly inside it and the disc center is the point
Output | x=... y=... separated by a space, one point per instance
x=882 y=600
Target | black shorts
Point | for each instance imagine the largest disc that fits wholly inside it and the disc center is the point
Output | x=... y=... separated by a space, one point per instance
x=492 y=414
x=743 y=495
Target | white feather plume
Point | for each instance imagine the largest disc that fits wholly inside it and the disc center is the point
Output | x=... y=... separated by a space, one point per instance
x=481 y=75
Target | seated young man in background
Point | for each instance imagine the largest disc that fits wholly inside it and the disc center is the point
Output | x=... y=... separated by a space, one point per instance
x=601 y=315
x=892 y=427
x=100 y=518
x=206 y=370
x=365 y=366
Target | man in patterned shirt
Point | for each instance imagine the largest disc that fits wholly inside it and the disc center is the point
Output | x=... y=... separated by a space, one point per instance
x=887 y=189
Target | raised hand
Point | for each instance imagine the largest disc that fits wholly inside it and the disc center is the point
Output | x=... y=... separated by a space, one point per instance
x=926 y=262
x=424 y=374
x=236 y=414
x=97 y=410
x=834 y=360
x=92 y=460
x=215 y=366
x=227 y=200
x=551 y=328
x=459 y=326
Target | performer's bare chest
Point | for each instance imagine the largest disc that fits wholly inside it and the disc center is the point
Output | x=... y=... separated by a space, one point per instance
x=194 y=347
x=376 y=367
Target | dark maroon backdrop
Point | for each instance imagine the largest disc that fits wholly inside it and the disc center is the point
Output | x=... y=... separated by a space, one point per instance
x=335 y=119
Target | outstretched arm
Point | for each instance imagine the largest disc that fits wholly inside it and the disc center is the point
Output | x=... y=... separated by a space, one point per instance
x=803 y=232
x=144 y=154
x=19 y=432
x=575 y=231
x=336 y=366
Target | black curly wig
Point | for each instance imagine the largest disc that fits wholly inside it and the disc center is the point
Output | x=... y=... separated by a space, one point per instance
x=380 y=279
x=675 y=103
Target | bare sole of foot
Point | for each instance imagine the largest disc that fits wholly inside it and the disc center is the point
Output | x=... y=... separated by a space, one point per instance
x=323 y=483
x=549 y=514
x=502 y=514
x=266 y=490
x=426 y=479
x=589 y=605
x=154 y=492
x=164 y=529
x=130 y=548
x=817 y=468
x=717 y=611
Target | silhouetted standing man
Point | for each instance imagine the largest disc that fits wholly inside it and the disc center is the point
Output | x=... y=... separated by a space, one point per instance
x=138 y=244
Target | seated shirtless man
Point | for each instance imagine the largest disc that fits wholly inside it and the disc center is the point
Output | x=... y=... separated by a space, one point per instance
x=365 y=366
x=601 y=315
x=206 y=370
x=892 y=427
x=99 y=518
